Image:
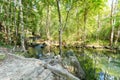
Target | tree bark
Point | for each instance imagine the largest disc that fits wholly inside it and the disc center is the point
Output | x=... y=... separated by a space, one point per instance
x=60 y=27
x=15 y=27
x=22 y=26
x=98 y=28
x=117 y=37
x=16 y=32
x=111 y=23
x=48 y=21
x=85 y=21
x=48 y=24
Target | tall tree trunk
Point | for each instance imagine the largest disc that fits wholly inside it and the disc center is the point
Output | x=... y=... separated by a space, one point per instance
x=117 y=37
x=22 y=26
x=48 y=24
x=48 y=21
x=98 y=27
x=1 y=27
x=85 y=21
x=15 y=26
x=60 y=27
x=16 y=32
x=118 y=31
x=111 y=23
x=9 y=22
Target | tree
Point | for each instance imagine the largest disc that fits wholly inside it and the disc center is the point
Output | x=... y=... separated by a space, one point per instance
x=47 y=20
x=22 y=26
x=60 y=27
x=111 y=23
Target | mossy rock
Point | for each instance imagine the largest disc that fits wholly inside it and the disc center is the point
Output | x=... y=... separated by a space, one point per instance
x=31 y=52
x=2 y=56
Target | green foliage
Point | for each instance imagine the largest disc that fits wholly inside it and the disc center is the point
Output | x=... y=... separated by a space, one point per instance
x=35 y=18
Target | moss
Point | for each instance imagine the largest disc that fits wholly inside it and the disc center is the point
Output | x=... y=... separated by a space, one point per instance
x=2 y=56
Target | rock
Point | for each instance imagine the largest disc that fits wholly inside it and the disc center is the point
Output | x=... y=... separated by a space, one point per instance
x=72 y=64
x=18 y=68
x=14 y=67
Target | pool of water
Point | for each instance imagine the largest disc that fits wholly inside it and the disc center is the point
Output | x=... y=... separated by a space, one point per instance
x=99 y=64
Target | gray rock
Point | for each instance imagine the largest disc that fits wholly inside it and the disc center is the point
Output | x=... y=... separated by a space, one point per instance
x=19 y=68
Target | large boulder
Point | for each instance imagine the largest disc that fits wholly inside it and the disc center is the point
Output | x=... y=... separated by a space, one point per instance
x=14 y=67
x=19 y=68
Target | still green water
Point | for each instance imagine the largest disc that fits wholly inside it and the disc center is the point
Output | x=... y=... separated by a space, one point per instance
x=99 y=64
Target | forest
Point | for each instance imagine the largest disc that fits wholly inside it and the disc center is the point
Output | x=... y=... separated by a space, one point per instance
x=88 y=27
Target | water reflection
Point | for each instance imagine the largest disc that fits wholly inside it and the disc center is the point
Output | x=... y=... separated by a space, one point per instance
x=101 y=76
x=100 y=64
x=104 y=76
